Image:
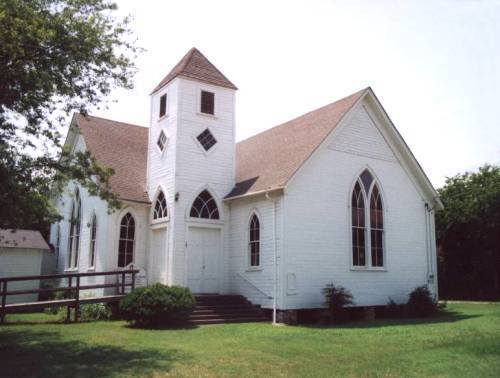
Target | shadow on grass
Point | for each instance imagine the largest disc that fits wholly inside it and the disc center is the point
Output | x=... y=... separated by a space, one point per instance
x=444 y=316
x=45 y=354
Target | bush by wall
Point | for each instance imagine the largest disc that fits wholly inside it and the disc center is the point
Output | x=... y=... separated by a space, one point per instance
x=157 y=305
x=336 y=299
x=421 y=303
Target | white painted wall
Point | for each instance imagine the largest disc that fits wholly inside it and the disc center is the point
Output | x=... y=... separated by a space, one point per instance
x=317 y=245
x=106 y=258
x=255 y=284
x=190 y=169
x=21 y=262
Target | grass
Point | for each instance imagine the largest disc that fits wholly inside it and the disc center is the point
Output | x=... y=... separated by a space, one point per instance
x=463 y=342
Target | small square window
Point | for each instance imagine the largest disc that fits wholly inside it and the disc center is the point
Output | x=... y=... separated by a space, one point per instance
x=162 y=141
x=207 y=102
x=163 y=105
x=206 y=139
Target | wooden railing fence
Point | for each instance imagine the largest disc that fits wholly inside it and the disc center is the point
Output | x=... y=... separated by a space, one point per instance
x=74 y=287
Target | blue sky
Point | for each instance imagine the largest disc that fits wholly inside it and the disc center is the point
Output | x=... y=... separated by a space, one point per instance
x=433 y=64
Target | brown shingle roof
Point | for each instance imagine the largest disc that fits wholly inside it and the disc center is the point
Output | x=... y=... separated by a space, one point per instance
x=120 y=146
x=269 y=159
x=196 y=66
x=29 y=239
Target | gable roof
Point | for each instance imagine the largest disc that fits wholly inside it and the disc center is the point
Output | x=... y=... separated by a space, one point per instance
x=16 y=238
x=268 y=160
x=195 y=65
x=120 y=146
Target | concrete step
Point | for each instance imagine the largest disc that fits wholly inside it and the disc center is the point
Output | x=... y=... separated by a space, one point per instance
x=232 y=308
x=232 y=320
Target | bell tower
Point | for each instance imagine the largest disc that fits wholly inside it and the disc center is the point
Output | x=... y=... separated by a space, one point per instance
x=191 y=146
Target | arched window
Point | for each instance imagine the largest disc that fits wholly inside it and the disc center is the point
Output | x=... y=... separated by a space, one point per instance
x=204 y=206
x=160 y=210
x=93 y=239
x=367 y=218
x=58 y=243
x=376 y=227
x=74 y=231
x=358 y=227
x=254 y=241
x=126 y=243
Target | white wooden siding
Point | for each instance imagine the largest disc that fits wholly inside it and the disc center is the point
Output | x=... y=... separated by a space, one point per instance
x=317 y=221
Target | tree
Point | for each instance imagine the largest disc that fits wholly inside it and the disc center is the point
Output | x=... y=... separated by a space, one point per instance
x=56 y=56
x=468 y=232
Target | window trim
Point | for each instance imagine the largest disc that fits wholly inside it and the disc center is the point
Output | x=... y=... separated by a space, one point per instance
x=251 y=267
x=366 y=197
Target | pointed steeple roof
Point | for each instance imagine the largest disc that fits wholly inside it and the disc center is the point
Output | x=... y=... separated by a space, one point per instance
x=196 y=66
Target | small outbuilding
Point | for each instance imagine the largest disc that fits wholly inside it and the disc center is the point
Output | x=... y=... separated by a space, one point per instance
x=22 y=253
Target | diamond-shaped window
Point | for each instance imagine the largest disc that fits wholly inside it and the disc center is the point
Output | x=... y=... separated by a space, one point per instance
x=206 y=139
x=162 y=141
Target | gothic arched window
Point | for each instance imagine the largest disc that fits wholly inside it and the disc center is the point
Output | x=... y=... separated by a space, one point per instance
x=254 y=241
x=74 y=231
x=160 y=210
x=126 y=243
x=204 y=206
x=364 y=217
x=93 y=241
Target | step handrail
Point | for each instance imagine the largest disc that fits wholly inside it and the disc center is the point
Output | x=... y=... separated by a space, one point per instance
x=254 y=286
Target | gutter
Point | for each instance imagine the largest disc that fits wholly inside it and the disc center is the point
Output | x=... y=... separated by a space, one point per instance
x=251 y=194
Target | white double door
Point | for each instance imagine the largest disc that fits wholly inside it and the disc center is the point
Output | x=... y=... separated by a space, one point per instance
x=203 y=256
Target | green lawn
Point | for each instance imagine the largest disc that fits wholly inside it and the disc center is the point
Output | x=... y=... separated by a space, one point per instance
x=464 y=342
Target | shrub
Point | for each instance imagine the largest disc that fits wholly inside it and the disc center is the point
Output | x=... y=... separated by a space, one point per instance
x=394 y=310
x=157 y=305
x=336 y=299
x=421 y=303
x=95 y=311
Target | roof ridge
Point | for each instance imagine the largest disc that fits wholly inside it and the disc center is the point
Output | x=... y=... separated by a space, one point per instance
x=302 y=115
x=112 y=120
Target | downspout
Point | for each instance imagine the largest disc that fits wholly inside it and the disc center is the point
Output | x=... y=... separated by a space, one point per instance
x=428 y=234
x=275 y=258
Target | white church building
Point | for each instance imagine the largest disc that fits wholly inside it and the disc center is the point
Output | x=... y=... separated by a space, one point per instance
x=334 y=195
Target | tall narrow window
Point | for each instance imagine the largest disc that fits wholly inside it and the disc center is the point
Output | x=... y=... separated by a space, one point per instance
x=358 y=227
x=74 y=231
x=93 y=239
x=126 y=243
x=376 y=228
x=204 y=206
x=254 y=241
x=58 y=243
x=367 y=249
x=207 y=102
x=163 y=105
x=160 y=210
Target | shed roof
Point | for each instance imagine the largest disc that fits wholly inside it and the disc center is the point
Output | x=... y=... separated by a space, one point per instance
x=22 y=239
